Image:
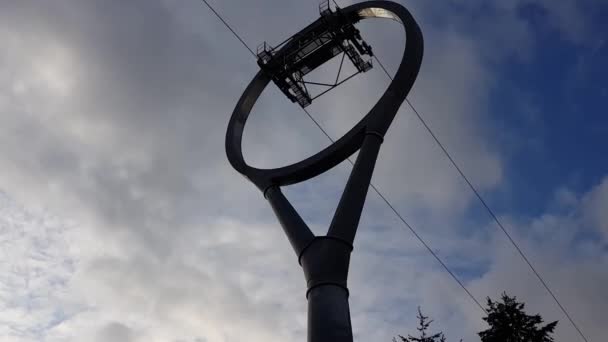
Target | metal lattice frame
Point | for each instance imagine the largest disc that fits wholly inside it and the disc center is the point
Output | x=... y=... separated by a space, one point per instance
x=325 y=259
x=334 y=33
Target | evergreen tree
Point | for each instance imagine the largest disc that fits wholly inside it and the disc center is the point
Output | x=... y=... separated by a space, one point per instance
x=509 y=323
x=423 y=326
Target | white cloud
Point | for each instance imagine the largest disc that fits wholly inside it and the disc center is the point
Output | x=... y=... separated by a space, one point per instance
x=113 y=116
x=571 y=261
x=36 y=266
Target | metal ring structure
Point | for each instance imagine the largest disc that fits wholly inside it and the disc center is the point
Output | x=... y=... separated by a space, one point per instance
x=376 y=121
x=325 y=259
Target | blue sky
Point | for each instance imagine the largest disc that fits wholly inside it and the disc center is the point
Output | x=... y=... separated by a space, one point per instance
x=121 y=219
x=555 y=101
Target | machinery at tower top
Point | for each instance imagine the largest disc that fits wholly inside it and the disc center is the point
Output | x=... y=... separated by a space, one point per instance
x=333 y=34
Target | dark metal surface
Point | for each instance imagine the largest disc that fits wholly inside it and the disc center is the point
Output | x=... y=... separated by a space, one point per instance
x=378 y=119
x=332 y=34
x=325 y=259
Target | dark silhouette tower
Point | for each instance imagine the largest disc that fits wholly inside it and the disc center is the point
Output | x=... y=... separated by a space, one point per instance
x=325 y=259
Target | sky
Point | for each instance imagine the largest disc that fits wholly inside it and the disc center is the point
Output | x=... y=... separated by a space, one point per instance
x=121 y=219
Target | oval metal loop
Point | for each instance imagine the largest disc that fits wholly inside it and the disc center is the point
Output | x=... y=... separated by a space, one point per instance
x=377 y=120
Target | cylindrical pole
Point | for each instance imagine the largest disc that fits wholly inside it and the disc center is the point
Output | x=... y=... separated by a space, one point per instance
x=329 y=315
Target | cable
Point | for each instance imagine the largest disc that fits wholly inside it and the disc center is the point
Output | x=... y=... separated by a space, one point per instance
x=487 y=207
x=230 y=28
x=479 y=197
x=371 y=184
x=399 y=215
x=407 y=224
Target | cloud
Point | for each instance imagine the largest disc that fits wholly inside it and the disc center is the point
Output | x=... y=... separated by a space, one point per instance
x=113 y=120
x=115 y=332
x=568 y=255
x=595 y=207
x=36 y=267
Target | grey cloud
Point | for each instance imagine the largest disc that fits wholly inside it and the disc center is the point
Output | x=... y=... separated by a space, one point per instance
x=122 y=131
x=571 y=263
x=595 y=207
x=122 y=66
x=115 y=332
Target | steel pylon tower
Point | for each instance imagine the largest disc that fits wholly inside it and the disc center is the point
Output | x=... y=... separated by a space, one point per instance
x=325 y=259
